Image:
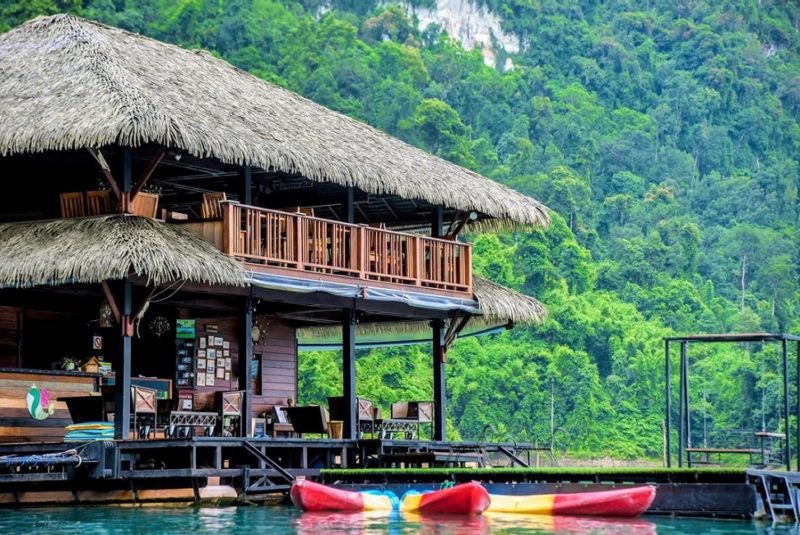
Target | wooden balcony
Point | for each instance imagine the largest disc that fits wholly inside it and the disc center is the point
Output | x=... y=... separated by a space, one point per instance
x=272 y=240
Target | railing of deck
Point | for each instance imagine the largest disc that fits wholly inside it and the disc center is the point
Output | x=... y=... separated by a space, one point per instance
x=296 y=241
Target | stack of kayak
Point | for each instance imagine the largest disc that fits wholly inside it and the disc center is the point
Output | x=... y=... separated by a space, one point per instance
x=88 y=431
x=473 y=499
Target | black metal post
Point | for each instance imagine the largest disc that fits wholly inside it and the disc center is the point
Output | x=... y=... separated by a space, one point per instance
x=668 y=404
x=437 y=220
x=787 y=443
x=687 y=414
x=682 y=407
x=245 y=361
x=349 y=213
x=349 y=372
x=246 y=178
x=439 y=427
x=122 y=371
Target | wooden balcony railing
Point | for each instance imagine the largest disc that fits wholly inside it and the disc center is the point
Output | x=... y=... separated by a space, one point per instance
x=299 y=242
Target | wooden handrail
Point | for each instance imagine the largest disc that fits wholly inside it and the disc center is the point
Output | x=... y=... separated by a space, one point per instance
x=312 y=244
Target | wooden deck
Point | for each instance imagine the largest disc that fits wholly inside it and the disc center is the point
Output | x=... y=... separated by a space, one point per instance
x=298 y=243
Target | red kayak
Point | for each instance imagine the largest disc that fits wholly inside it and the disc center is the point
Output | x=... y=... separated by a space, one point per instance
x=465 y=499
x=618 y=502
x=310 y=496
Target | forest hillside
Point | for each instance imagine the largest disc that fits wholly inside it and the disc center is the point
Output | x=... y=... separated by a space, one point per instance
x=664 y=135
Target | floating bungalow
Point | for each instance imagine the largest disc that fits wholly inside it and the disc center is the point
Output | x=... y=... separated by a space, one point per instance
x=169 y=224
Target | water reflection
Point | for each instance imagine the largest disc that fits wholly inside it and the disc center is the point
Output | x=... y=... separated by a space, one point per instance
x=281 y=520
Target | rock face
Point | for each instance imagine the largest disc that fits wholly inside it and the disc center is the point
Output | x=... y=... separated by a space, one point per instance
x=472 y=25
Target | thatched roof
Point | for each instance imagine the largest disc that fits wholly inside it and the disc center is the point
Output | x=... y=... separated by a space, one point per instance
x=68 y=83
x=111 y=247
x=501 y=304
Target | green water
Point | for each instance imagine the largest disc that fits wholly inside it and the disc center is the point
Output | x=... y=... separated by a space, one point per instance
x=287 y=520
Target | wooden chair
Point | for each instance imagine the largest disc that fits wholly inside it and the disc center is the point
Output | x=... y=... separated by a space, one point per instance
x=144 y=402
x=211 y=208
x=230 y=410
x=145 y=204
x=420 y=412
x=365 y=414
x=280 y=422
x=73 y=204
x=98 y=202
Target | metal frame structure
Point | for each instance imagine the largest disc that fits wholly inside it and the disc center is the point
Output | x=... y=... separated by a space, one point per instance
x=684 y=426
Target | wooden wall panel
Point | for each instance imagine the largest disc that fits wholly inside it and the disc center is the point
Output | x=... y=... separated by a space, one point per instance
x=228 y=329
x=9 y=336
x=16 y=423
x=278 y=350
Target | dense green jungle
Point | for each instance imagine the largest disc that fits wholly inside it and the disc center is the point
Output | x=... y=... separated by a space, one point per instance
x=664 y=136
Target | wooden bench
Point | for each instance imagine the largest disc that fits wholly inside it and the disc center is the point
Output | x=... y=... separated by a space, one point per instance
x=707 y=453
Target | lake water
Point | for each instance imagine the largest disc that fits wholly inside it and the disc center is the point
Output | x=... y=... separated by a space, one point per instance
x=279 y=520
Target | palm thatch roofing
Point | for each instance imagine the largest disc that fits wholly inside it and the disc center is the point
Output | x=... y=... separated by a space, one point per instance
x=503 y=305
x=69 y=83
x=111 y=247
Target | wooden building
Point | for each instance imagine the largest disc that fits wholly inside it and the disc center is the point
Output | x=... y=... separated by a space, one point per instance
x=179 y=220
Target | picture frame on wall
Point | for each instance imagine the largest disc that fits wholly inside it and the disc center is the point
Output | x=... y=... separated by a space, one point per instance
x=226 y=352
x=211 y=354
x=226 y=344
x=258 y=427
x=220 y=373
x=201 y=353
x=227 y=376
x=202 y=342
x=201 y=364
x=210 y=366
x=201 y=379
x=218 y=341
x=209 y=379
x=221 y=363
x=227 y=363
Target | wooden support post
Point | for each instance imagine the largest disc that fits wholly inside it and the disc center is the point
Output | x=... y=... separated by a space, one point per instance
x=146 y=174
x=246 y=180
x=439 y=431
x=668 y=405
x=349 y=213
x=122 y=371
x=349 y=371
x=787 y=443
x=245 y=360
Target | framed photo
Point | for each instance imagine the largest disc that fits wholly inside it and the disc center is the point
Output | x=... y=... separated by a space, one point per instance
x=258 y=427
x=209 y=379
x=220 y=373
x=226 y=352
x=201 y=379
x=211 y=353
x=201 y=364
x=186 y=404
x=226 y=344
x=227 y=363
x=210 y=365
x=212 y=328
x=218 y=341
x=221 y=363
x=202 y=342
x=201 y=353
x=227 y=376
